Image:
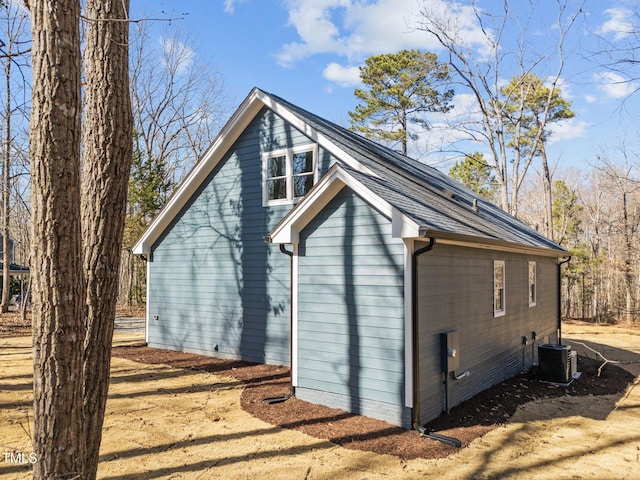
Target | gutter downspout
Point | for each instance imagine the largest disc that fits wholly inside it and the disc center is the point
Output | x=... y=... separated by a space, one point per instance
x=560 y=297
x=290 y=254
x=414 y=321
x=290 y=393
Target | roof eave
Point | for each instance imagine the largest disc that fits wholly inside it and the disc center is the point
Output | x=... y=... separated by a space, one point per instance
x=490 y=243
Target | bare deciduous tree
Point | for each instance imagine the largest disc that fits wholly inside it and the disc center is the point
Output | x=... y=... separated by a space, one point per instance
x=13 y=52
x=481 y=68
x=619 y=48
x=621 y=182
x=179 y=104
x=599 y=212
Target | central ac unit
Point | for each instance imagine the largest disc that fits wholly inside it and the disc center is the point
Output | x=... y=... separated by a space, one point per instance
x=557 y=363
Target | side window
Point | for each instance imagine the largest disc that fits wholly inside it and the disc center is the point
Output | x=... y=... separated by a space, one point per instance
x=276 y=177
x=288 y=174
x=532 y=284
x=498 y=288
x=303 y=173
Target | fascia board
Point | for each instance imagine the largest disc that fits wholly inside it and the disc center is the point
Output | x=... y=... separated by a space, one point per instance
x=488 y=244
x=402 y=226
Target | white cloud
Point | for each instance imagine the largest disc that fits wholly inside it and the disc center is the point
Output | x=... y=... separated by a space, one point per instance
x=342 y=76
x=442 y=136
x=315 y=27
x=461 y=23
x=356 y=29
x=384 y=26
x=465 y=109
x=619 y=23
x=590 y=98
x=230 y=5
x=614 y=85
x=568 y=129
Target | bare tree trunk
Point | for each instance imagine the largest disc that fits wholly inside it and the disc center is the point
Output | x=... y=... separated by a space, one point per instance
x=123 y=279
x=57 y=276
x=107 y=160
x=130 y=277
x=126 y=282
x=406 y=133
x=628 y=258
x=6 y=190
x=547 y=192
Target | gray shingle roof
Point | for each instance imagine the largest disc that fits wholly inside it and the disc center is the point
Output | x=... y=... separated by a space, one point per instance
x=440 y=205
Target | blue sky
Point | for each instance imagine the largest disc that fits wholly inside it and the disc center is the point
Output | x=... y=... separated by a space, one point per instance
x=308 y=51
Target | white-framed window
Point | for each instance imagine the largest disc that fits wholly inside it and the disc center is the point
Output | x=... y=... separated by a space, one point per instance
x=498 y=288
x=533 y=287
x=288 y=174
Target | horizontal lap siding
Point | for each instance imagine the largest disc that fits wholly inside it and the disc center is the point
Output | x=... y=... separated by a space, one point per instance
x=455 y=292
x=351 y=310
x=214 y=284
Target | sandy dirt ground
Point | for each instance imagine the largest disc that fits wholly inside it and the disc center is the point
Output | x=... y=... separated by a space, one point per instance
x=179 y=424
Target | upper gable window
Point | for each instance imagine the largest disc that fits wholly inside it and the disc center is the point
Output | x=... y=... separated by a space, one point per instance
x=288 y=174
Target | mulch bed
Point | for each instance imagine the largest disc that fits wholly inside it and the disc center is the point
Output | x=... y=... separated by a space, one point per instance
x=466 y=422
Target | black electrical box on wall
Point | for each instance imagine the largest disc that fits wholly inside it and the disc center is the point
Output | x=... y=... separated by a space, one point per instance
x=450 y=351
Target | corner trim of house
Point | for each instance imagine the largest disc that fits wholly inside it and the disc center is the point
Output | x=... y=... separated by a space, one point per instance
x=294 y=316
x=408 y=323
x=148 y=306
x=402 y=226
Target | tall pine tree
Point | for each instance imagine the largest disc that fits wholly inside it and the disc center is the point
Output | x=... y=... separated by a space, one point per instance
x=401 y=89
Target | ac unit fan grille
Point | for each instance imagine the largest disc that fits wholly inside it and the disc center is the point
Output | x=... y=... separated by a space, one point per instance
x=555 y=363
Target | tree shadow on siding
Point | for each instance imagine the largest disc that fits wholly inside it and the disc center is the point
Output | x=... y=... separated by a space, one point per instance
x=229 y=266
x=353 y=353
x=259 y=309
x=355 y=290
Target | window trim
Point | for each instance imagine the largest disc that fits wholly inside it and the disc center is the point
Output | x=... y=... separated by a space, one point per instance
x=499 y=312
x=288 y=153
x=532 y=302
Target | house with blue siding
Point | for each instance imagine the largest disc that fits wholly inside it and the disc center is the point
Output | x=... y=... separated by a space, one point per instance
x=390 y=290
